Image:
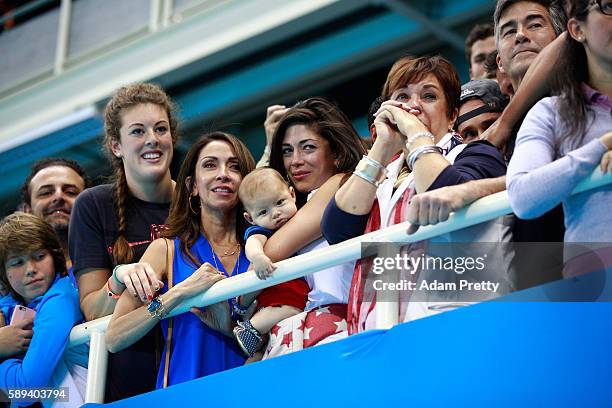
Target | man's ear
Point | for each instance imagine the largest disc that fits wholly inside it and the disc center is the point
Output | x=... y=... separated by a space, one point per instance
x=26 y=208
x=499 y=63
x=247 y=217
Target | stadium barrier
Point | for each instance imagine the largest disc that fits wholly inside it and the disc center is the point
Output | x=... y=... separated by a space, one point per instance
x=482 y=210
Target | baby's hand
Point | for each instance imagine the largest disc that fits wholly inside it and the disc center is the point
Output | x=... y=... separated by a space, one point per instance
x=263 y=266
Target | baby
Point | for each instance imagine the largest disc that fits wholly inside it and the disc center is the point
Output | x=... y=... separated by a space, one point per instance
x=269 y=203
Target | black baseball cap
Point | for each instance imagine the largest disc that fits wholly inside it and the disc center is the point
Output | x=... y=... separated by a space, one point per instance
x=488 y=91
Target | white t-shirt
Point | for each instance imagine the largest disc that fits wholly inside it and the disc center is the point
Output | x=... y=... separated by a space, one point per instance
x=330 y=285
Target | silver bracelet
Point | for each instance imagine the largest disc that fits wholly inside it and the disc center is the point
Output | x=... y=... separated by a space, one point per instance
x=371 y=171
x=374 y=163
x=417 y=135
x=365 y=177
x=416 y=154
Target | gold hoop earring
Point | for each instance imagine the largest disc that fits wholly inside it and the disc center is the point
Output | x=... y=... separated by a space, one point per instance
x=190 y=206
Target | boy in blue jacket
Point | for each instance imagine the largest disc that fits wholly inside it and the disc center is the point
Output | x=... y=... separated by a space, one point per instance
x=33 y=268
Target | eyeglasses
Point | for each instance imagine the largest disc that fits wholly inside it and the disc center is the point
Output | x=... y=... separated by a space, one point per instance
x=605 y=6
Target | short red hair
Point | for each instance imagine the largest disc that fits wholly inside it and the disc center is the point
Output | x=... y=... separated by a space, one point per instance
x=410 y=70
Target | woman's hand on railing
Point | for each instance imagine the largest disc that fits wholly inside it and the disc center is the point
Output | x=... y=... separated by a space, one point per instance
x=139 y=279
x=199 y=281
x=606 y=160
x=216 y=316
x=436 y=206
x=606 y=139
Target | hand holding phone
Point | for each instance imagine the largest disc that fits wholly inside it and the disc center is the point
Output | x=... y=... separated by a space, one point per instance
x=23 y=317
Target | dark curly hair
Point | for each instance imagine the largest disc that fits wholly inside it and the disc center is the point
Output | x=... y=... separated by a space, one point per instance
x=328 y=121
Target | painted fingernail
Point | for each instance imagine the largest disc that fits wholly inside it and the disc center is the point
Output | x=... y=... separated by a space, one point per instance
x=149 y=297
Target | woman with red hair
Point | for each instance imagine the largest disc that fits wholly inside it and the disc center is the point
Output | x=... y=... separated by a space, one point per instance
x=415 y=150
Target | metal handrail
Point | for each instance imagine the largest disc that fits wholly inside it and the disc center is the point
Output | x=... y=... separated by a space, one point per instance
x=482 y=210
x=26 y=8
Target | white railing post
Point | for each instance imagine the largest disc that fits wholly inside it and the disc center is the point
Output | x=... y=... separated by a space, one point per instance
x=387 y=303
x=63 y=34
x=154 y=15
x=96 y=372
x=167 y=12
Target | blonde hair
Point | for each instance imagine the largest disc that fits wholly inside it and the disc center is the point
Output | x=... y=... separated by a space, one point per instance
x=261 y=179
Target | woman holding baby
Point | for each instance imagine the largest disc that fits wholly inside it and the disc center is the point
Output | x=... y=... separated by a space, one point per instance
x=314 y=148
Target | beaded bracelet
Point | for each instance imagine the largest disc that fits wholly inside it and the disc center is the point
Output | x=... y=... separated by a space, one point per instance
x=416 y=154
x=417 y=135
x=371 y=171
x=117 y=281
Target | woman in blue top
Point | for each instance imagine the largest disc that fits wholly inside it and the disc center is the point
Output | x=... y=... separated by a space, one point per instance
x=33 y=267
x=206 y=226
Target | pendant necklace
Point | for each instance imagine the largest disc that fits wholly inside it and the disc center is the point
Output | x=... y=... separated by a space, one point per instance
x=225 y=254
x=214 y=257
